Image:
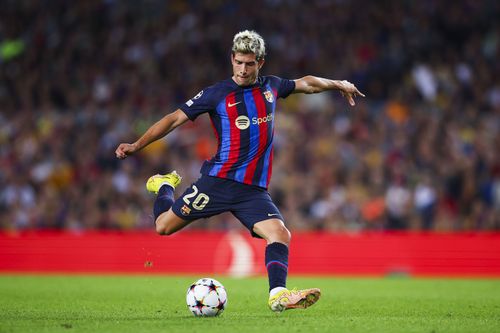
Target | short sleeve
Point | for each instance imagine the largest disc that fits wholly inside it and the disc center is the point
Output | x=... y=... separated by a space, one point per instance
x=198 y=105
x=285 y=87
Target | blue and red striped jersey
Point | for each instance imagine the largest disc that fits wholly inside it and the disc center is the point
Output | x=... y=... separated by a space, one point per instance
x=243 y=120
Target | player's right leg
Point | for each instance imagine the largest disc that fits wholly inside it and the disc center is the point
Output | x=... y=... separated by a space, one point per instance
x=281 y=298
x=293 y=299
x=256 y=210
x=164 y=185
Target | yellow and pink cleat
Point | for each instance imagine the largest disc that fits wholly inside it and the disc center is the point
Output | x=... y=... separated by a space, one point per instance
x=155 y=182
x=294 y=299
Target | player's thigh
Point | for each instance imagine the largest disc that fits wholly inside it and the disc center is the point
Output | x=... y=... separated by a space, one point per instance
x=272 y=230
x=255 y=206
x=204 y=198
x=168 y=223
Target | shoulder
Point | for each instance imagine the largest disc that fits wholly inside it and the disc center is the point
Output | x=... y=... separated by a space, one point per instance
x=283 y=87
x=223 y=86
x=207 y=99
x=220 y=89
x=273 y=79
x=210 y=93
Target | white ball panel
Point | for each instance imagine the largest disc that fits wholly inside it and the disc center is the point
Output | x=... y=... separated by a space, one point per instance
x=222 y=295
x=200 y=292
x=209 y=312
x=211 y=299
x=195 y=311
x=190 y=299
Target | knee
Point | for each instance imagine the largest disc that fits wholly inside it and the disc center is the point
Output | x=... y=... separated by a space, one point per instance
x=162 y=229
x=281 y=234
x=284 y=235
x=274 y=232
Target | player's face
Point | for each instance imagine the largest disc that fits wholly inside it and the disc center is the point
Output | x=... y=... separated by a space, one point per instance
x=245 y=68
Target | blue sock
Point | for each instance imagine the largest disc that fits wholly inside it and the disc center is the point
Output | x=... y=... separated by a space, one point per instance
x=277 y=264
x=164 y=200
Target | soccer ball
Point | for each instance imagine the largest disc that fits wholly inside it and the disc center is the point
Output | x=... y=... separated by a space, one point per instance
x=206 y=297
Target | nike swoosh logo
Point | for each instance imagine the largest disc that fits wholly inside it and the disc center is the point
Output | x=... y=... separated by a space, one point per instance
x=230 y=105
x=269 y=214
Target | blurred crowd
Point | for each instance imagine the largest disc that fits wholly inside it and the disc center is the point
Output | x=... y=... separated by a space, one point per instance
x=420 y=152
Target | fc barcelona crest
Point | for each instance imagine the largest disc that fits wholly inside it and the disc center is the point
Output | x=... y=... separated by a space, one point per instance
x=269 y=96
x=185 y=210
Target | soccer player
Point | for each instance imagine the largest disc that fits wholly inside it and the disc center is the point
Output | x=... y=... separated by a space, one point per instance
x=236 y=178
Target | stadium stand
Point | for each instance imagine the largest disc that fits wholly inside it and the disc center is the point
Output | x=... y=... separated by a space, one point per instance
x=421 y=152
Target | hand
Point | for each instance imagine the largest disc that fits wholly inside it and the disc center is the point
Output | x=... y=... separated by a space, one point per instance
x=124 y=150
x=349 y=91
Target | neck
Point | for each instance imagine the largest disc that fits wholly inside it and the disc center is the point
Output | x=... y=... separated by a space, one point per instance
x=244 y=85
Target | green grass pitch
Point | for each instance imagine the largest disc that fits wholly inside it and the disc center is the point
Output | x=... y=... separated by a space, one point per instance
x=47 y=303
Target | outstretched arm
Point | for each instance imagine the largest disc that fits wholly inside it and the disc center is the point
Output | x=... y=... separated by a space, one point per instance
x=312 y=84
x=155 y=132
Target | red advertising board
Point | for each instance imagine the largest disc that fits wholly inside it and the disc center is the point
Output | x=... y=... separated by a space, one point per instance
x=420 y=254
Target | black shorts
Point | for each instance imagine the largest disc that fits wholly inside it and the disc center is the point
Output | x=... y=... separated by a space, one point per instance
x=210 y=196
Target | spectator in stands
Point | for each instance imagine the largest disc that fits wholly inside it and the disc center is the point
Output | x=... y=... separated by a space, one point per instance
x=73 y=76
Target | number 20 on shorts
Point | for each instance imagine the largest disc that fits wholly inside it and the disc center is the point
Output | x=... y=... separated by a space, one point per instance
x=200 y=199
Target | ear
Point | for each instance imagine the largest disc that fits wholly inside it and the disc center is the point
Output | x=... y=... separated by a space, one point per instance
x=261 y=63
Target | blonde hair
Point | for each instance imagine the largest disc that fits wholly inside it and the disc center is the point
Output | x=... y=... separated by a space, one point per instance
x=249 y=42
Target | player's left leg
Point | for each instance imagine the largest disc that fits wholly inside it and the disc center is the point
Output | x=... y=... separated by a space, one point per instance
x=278 y=239
x=204 y=198
x=168 y=223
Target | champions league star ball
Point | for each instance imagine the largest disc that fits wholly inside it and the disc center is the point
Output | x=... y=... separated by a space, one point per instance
x=206 y=297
